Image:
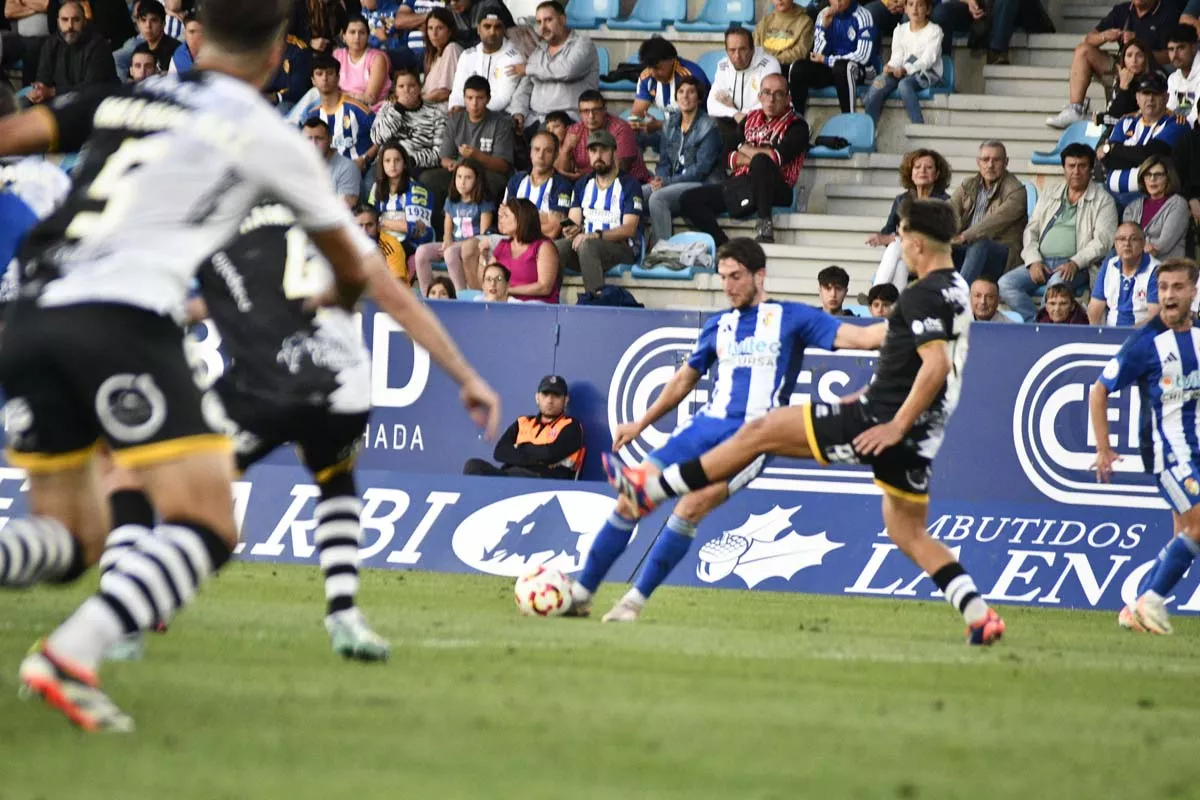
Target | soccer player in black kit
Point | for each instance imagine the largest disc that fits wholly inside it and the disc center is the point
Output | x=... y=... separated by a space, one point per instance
x=896 y=424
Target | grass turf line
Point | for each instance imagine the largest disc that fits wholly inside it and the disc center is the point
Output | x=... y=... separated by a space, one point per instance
x=715 y=693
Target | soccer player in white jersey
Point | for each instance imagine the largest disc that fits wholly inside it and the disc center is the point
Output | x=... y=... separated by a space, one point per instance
x=757 y=347
x=1163 y=360
x=93 y=351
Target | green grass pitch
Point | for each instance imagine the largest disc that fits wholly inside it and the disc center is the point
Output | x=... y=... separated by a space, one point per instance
x=715 y=694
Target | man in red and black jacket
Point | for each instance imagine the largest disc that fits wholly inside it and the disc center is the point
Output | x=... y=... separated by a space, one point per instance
x=763 y=169
x=548 y=444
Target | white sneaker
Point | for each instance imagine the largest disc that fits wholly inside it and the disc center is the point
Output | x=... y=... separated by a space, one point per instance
x=1127 y=619
x=1069 y=116
x=76 y=695
x=1151 y=612
x=626 y=610
x=581 y=602
x=353 y=638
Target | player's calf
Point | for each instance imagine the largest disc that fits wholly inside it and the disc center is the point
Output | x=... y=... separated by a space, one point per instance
x=610 y=542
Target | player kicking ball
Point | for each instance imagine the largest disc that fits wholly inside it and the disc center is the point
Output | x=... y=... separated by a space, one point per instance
x=757 y=347
x=896 y=424
x=1163 y=359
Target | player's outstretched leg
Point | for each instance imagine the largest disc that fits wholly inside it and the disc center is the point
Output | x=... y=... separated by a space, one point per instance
x=61 y=537
x=1150 y=611
x=607 y=547
x=132 y=519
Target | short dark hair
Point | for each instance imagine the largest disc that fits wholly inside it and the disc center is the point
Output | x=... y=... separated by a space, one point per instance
x=1078 y=150
x=445 y=283
x=933 y=219
x=406 y=70
x=691 y=80
x=1181 y=265
x=592 y=96
x=543 y=132
x=656 y=50
x=554 y=5
x=353 y=18
x=561 y=116
x=737 y=30
x=529 y=221
x=744 y=251
x=887 y=292
x=1056 y=289
x=325 y=61
x=834 y=275
x=143 y=49
x=148 y=8
x=477 y=83
x=237 y=26
x=1182 y=34
x=317 y=122
x=364 y=208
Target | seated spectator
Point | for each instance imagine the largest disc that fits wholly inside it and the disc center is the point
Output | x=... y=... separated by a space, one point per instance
x=662 y=70
x=342 y=170
x=349 y=120
x=557 y=123
x=1126 y=289
x=74 y=58
x=405 y=38
x=1160 y=209
x=411 y=122
x=405 y=206
x=992 y=208
x=1183 y=84
x=1060 y=308
x=193 y=36
x=319 y=23
x=530 y=258
x=496 y=278
x=1149 y=21
x=1136 y=138
x=785 y=33
x=442 y=288
x=441 y=57
x=691 y=157
x=985 y=301
x=143 y=64
x=175 y=23
x=294 y=77
x=1072 y=228
x=762 y=170
x=924 y=174
x=548 y=444
x=489 y=59
x=834 y=282
x=735 y=88
x=151 y=19
x=605 y=226
x=368 y=220
x=563 y=67
x=549 y=190
x=467 y=215
x=1134 y=62
x=881 y=298
x=915 y=63
x=988 y=23
x=363 y=73
x=844 y=49
x=467 y=14
x=573 y=158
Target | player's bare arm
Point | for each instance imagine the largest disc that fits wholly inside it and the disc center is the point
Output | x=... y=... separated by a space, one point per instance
x=27 y=133
x=1105 y=455
x=860 y=337
x=682 y=384
x=935 y=367
x=350 y=267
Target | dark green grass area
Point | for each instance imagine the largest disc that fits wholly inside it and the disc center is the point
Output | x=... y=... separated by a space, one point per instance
x=714 y=694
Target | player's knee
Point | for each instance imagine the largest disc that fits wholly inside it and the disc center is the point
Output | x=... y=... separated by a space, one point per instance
x=696 y=506
x=625 y=508
x=339 y=484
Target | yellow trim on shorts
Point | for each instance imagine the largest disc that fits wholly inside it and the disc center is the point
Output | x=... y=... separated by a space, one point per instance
x=43 y=111
x=51 y=462
x=811 y=435
x=148 y=455
x=345 y=465
x=900 y=494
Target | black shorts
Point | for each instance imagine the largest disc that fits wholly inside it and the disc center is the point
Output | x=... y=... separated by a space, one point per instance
x=329 y=443
x=900 y=470
x=77 y=375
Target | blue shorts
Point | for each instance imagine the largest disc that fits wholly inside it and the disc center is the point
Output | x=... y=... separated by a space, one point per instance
x=1180 y=486
x=698 y=437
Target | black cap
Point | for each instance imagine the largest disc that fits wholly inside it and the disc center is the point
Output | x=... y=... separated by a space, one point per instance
x=553 y=384
x=1153 y=83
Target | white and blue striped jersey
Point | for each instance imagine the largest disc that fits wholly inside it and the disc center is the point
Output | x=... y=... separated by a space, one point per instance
x=1165 y=366
x=604 y=207
x=758 y=352
x=349 y=125
x=554 y=194
x=416 y=39
x=1128 y=297
x=173 y=27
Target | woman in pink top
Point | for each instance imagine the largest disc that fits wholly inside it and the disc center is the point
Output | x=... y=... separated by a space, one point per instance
x=528 y=255
x=364 y=73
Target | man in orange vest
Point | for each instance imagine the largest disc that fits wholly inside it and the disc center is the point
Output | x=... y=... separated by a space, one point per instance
x=548 y=444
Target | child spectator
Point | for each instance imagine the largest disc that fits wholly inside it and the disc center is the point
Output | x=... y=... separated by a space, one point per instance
x=405 y=210
x=834 y=282
x=467 y=216
x=442 y=288
x=881 y=298
x=916 y=62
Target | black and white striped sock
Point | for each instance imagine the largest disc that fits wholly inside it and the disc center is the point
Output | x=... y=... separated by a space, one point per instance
x=132 y=518
x=338 y=536
x=961 y=592
x=38 y=550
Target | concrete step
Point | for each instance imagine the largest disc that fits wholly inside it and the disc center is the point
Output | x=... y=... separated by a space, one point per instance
x=1024 y=81
x=1079 y=19
x=964 y=140
x=865 y=200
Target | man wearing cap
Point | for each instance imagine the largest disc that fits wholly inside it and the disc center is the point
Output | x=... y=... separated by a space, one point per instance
x=491 y=58
x=548 y=444
x=605 y=220
x=1152 y=131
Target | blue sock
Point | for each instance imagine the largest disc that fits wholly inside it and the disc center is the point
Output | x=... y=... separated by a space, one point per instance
x=1148 y=578
x=668 y=551
x=1172 y=563
x=610 y=542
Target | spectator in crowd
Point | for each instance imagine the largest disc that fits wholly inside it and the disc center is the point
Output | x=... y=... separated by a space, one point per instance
x=442 y=288
x=416 y=125
x=363 y=73
x=467 y=215
x=557 y=123
x=143 y=64
x=785 y=33
x=1160 y=209
x=496 y=278
x=988 y=23
x=763 y=169
x=75 y=58
x=1060 y=308
x=1126 y=288
x=549 y=190
x=1135 y=61
x=564 y=65
x=915 y=63
x=993 y=208
x=985 y=301
x=1149 y=21
x=881 y=298
x=466 y=18
x=530 y=258
x=193 y=36
x=925 y=175
x=843 y=51
x=1183 y=84
x=344 y=174
x=605 y=226
x=489 y=59
x=441 y=56
x=151 y=19
x=405 y=206
x=834 y=282
x=573 y=160
x=368 y=219
x=319 y=22
x=1072 y=228
x=175 y=23
x=662 y=68
x=294 y=76
x=407 y=33
x=348 y=120
x=548 y=444
x=739 y=76
x=112 y=20
x=31 y=23
x=1154 y=131
x=691 y=157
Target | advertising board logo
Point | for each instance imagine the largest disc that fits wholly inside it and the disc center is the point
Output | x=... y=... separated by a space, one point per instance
x=511 y=536
x=1052 y=430
x=762 y=547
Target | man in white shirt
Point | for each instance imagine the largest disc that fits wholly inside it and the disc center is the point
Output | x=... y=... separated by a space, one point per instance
x=734 y=91
x=491 y=59
x=1183 y=85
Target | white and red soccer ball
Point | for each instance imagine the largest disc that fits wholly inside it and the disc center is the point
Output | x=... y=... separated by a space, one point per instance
x=543 y=592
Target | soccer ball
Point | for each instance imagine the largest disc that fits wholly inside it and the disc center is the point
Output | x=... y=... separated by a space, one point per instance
x=543 y=592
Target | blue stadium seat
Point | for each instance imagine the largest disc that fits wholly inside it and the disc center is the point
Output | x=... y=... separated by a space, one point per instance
x=591 y=14
x=1014 y=316
x=708 y=62
x=947 y=84
x=619 y=269
x=686 y=273
x=857 y=129
x=1083 y=131
x=858 y=310
x=651 y=15
x=468 y=294
x=718 y=15
x=605 y=68
x=654 y=111
x=1031 y=198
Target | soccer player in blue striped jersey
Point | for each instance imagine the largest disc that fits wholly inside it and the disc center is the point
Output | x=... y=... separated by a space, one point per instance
x=757 y=347
x=1163 y=360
